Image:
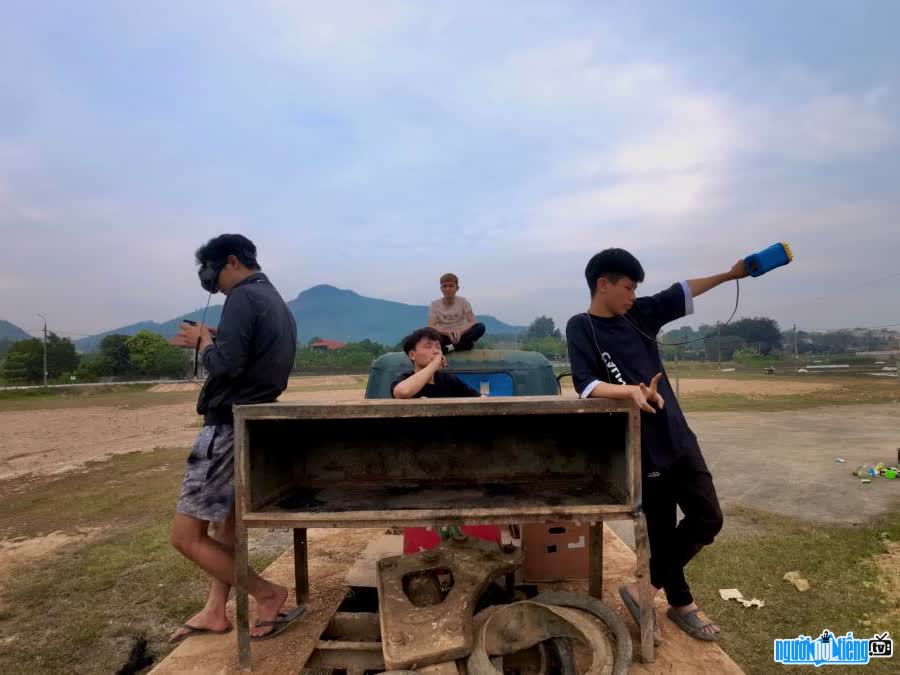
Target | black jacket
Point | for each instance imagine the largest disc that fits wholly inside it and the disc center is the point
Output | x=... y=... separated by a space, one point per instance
x=253 y=352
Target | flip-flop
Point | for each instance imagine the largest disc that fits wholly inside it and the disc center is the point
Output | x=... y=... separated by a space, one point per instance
x=693 y=623
x=280 y=623
x=196 y=630
x=635 y=612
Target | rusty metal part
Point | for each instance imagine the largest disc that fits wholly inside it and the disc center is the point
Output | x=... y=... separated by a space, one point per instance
x=415 y=636
x=513 y=628
x=601 y=611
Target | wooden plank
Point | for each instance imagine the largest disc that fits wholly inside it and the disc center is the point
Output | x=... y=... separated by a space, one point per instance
x=595 y=565
x=634 y=451
x=395 y=408
x=431 y=517
x=642 y=554
x=301 y=568
x=241 y=550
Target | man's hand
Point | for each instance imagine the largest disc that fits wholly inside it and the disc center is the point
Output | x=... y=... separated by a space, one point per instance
x=650 y=393
x=189 y=335
x=647 y=397
x=738 y=270
x=438 y=362
x=454 y=336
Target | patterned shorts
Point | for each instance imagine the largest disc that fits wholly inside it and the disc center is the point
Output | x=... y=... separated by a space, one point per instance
x=207 y=491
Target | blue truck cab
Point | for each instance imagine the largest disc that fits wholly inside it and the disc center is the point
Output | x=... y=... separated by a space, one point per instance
x=493 y=372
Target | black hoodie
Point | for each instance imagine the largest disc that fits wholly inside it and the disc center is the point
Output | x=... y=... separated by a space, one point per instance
x=253 y=353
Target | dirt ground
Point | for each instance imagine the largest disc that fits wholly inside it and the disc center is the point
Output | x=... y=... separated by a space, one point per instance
x=771 y=387
x=776 y=461
x=310 y=381
x=52 y=441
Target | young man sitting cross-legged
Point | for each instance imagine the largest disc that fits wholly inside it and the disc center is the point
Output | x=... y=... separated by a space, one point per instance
x=452 y=317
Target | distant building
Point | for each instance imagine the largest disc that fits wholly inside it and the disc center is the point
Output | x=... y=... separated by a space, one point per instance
x=326 y=345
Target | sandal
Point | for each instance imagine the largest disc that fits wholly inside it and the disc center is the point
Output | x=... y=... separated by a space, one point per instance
x=693 y=623
x=279 y=623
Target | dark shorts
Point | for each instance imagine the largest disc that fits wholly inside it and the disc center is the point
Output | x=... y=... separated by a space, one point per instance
x=207 y=491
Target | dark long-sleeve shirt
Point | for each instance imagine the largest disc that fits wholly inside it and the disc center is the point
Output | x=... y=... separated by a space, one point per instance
x=253 y=353
x=612 y=350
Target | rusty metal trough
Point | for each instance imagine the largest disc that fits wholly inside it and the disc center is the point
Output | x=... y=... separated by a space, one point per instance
x=386 y=463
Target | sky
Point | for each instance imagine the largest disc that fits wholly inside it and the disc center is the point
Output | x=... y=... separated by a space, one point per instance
x=374 y=146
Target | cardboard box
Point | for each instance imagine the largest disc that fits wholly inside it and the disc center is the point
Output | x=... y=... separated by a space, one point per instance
x=555 y=552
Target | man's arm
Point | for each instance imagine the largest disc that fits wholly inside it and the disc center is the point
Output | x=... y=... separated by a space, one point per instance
x=228 y=354
x=413 y=384
x=701 y=285
x=471 y=319
x=640 y=394
x=584 y=358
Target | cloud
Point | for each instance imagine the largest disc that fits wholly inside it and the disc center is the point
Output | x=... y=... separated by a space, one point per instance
x=369 y=144
x=828 y=128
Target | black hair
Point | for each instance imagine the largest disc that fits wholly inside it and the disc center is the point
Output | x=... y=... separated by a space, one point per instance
x=410 y=341
x=218 y=249
x=612 y=264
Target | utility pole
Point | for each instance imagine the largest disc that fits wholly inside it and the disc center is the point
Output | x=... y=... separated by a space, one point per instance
x=677 y=379
x=719 y=345
x=796 y=354
x=45 y=348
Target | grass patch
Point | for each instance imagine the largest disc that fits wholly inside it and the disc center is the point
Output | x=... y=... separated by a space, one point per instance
x=838 y=561
x=122 y=396
x=847 y=391
x=131 y=395
x=79 y=609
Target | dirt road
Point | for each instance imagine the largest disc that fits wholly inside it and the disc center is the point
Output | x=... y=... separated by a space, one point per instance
x=51 y=441
x=779 y=461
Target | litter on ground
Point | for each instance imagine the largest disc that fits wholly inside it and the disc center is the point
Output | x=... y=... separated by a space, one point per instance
x=799 y=582
x=735 y=594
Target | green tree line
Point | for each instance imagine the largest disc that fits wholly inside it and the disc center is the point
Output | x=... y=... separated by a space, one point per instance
x=143 y=355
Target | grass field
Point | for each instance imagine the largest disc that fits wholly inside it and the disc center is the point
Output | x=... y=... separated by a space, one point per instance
x=135 y=395
x=80 y=608
x=86 y=566
x=855 y=583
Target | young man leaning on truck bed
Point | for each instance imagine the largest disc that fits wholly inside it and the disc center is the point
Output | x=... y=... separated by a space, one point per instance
x=427 y=380
x=614 y=354
x=248 y=358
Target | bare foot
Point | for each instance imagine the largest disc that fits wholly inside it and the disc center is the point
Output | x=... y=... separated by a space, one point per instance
x=635 y=592
x=710 y=627
x=204 y=619
x=267 y=608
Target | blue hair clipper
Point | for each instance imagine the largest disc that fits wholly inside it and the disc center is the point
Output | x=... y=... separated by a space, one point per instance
x=768 y=259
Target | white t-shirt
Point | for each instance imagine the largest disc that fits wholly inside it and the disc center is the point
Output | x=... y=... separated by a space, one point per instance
x=449 y=317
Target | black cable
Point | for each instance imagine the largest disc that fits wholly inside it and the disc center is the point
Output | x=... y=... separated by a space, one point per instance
x=737 y=300
x=197 y=348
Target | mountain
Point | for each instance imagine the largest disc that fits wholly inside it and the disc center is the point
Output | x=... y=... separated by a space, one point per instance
x=326 y=312
x=10 y=331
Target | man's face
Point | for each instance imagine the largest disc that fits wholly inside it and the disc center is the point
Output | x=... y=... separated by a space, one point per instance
x=425 y=351
x=449 y=288
x=619 y=296
x=229 y=276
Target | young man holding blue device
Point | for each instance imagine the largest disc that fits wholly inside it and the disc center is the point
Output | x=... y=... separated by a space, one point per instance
x=614 y=354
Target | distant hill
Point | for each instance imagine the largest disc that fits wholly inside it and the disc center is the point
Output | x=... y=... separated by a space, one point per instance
x=10 y=331
x=327 y=312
